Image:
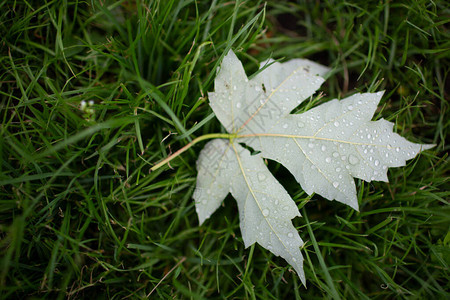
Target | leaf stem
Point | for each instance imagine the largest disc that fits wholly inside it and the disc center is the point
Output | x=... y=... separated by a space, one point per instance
x=194 y=141
x=236 y=135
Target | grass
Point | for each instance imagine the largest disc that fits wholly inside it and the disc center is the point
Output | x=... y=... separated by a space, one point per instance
x=81 y=216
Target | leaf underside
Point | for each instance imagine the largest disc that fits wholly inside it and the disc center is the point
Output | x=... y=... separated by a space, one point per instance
x=324 y=148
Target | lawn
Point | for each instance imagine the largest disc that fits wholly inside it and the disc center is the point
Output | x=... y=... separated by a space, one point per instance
x=95 y=93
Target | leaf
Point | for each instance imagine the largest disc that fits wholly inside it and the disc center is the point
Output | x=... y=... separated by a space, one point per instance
x=324 y=148
x=265 y=208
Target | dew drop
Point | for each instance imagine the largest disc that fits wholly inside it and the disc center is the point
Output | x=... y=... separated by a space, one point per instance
x=369 y=136
x=335 y=154
x=323 y=148
x=338 y=169
x=350 y=107
x=300 y=124
x=265 y=212
x=261 y=176
x=335 y=184
x=234 y=87
x=286 y=208
x=353 y=159
x=397 y=149
x=285 y=125
x=276 y=201
x=238 y=105
x=389 y=146
x=257 y=88
x=290 y=235
x=328 y=159
x=311 y=145
x=336 y=123
x=376 y=162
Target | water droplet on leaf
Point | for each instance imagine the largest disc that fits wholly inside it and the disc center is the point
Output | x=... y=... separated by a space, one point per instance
x=353 y=159
x=261 y=176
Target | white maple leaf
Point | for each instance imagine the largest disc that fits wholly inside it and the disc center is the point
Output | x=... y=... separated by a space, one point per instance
x=324 y=148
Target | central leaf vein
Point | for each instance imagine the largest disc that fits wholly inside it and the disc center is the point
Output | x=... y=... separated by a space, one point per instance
x=257 y=201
